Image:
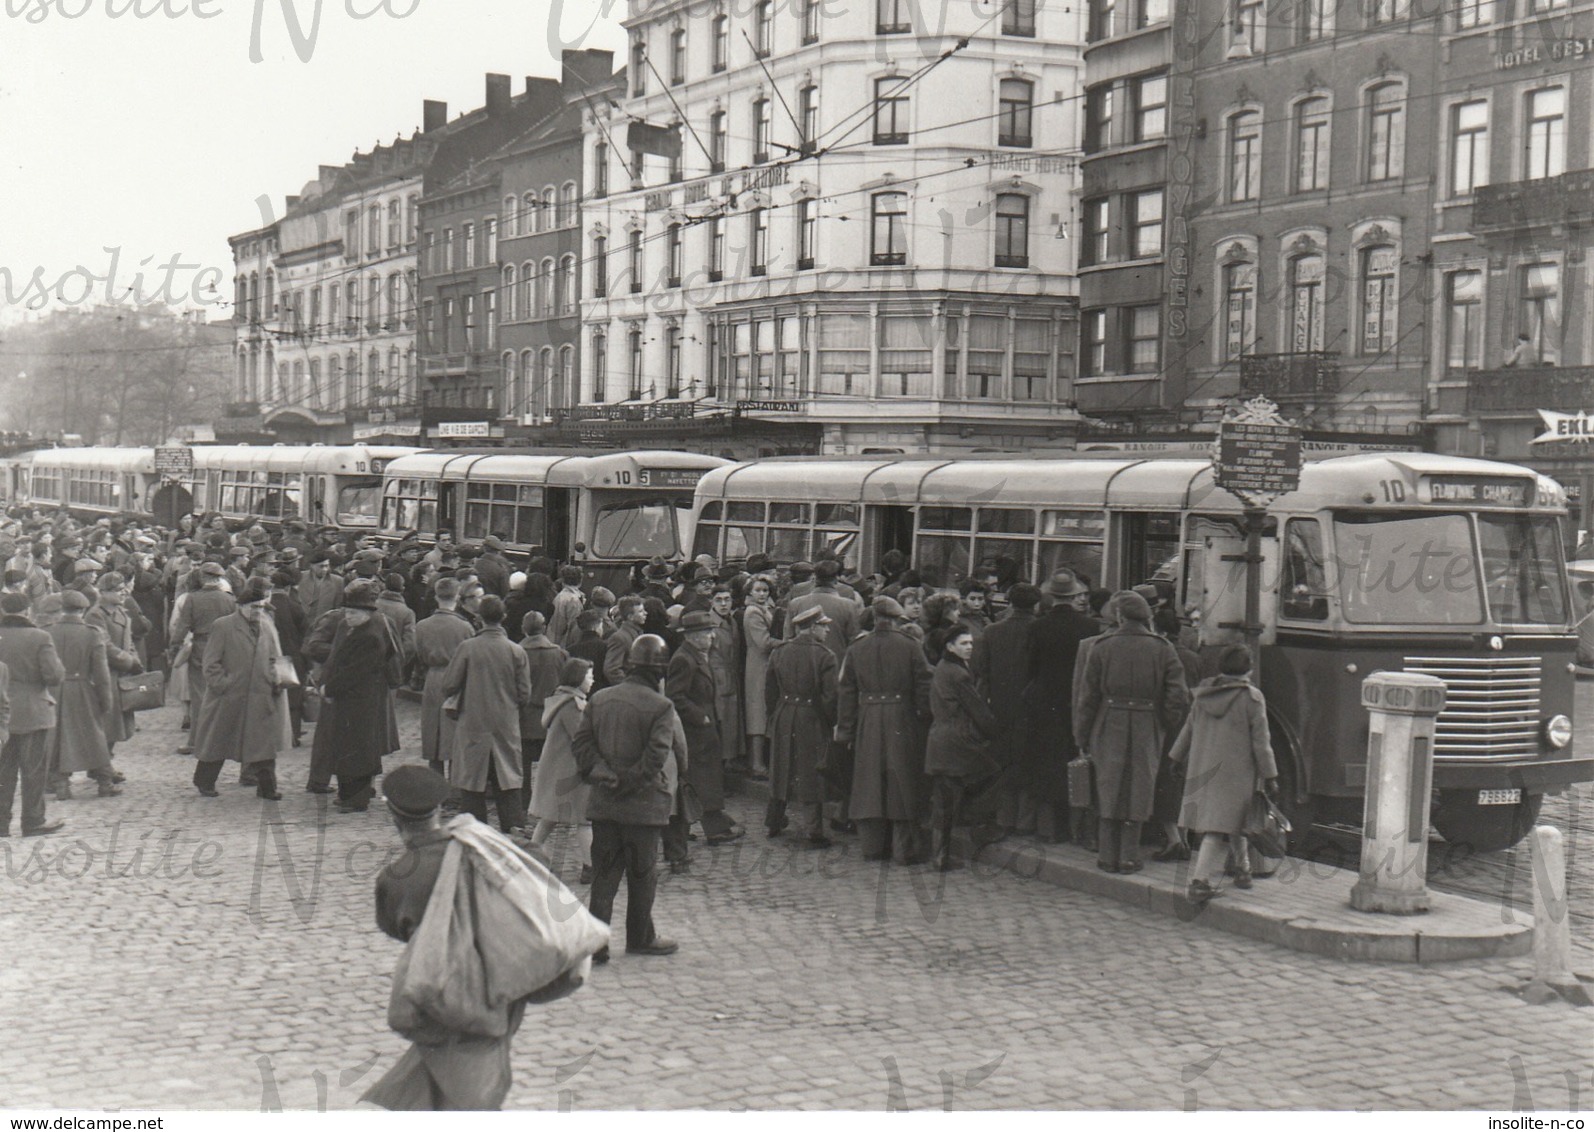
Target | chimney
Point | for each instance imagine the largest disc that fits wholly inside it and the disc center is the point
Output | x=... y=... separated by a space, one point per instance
x=581 y=69
x=434 y=115
x=499 y=95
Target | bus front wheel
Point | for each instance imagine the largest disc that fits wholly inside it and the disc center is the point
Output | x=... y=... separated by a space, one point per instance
x=1460 y=820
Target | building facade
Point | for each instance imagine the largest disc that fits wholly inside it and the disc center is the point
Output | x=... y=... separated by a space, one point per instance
x=823 y=229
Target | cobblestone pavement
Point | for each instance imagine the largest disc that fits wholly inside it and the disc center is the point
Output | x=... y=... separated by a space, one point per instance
x=173 y=951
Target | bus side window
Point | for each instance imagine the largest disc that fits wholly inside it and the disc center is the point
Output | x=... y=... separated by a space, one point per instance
x=1304 y=590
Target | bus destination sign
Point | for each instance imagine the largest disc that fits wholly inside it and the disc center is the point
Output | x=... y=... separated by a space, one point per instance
x=1497 y=491
x=1258 y=459
x=669 y=477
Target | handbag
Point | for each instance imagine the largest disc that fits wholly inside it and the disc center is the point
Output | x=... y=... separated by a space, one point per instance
x=1266 y=827
x=310 y=704
x=142 y=691
x=283 y=673
x=451 y=705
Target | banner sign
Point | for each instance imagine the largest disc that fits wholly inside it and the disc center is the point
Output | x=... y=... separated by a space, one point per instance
x=1565 y=426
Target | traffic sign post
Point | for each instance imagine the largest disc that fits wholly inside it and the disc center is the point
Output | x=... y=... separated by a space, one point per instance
x=174 y=460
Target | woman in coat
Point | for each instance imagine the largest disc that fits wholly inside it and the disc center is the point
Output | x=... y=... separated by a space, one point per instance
x=244 y=715
x=958 y=754
x=758 y=635
x=362 y=667
x=559 y=796
x=1230 y=757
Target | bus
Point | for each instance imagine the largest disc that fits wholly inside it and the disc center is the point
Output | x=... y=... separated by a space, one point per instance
x=1411 y=562
x=338 y=486
x=605 y=511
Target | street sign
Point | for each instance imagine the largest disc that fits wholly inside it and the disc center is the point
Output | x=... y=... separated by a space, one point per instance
x=1259 y=452
x=174 y=460
x=462 y=428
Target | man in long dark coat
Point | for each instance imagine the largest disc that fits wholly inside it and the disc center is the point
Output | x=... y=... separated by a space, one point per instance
x=35 y=670
x=800 y=699
x=245 y=712
x=1132 y=694
x=1001 y=665
x=85 y=699
x=361 y=669
x=883 y=712
x=195 y=615
x=492 y=677
x=692 y=688
x=1053 y=650
x=437 y=639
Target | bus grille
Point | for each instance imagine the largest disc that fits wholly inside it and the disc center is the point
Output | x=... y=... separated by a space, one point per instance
x=1491 y=705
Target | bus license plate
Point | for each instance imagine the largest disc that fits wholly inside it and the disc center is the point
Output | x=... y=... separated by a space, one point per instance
x=1499 y=797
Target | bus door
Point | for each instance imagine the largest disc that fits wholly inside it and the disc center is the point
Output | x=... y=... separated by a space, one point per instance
x=892 y=529
x=313 y=503
x=558 y=510
x=1219 y=575
x=450 y=514
x=1147 y=546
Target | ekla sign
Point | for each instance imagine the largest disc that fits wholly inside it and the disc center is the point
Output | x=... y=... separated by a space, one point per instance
x=1565 y=427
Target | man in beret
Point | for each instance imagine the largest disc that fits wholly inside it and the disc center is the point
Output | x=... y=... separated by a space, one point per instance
x=193 y=618
x=34 y=671
x=1001 y=665
x=85 y=700
x=245 y=715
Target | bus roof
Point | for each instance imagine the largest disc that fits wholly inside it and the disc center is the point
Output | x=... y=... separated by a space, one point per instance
x=557 y=469
x=354 y=459
x=97 y=459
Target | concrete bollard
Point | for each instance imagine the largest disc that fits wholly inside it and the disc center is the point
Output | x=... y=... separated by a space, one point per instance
x=1394 y=866
x=1552 y=930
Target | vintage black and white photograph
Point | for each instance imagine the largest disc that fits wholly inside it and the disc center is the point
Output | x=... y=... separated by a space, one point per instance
x=772 y=556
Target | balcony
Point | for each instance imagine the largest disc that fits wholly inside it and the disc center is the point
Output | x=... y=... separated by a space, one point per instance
x=1566 y=199
x=1524 y=389
x=451 y=365
x=1311 y=376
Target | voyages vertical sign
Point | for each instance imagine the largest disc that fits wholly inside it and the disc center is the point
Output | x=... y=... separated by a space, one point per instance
x=1181 y=166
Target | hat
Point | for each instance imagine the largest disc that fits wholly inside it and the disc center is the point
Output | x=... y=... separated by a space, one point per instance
x=887 y=607
x=84 y=565
x=696 y=620
x=729 y=572
x=50 y=603
x=491 y=542
x=14 y=603
x=144 y=541
x=801 y=570
x=1024 y=596
x=1149 y=592
x=826 y=571
x=601 y=596
x=369 y=554
x=1132 y=607
x=212 y=570
x=258 y=533
x=703 y=575
x=255 y=590
x=414 y=791
x=813 y=615
x=111 y=581
x=72 y=600
x=517 y=580
x=658 y=568
x=289 y=554
x=1065 y=583
x=240 y=552
x=361 y=594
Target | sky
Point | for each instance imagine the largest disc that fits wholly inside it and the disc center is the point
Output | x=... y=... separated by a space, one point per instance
x=134 y=132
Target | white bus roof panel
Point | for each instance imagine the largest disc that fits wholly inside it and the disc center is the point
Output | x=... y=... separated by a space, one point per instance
x=97 y=459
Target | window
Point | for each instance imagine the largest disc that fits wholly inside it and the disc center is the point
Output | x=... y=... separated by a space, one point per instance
x=760 y=129
x=1245 y=156
x=888 y=227
x=567 y=284
x=528 y=215
x=373 y=231
x=810 y=18
x=1464 y=319
x=807 y=233
x=1314 y=20
x=716 y=249
x=560 y=394
x=1386 y=132
x=1151 y=108
x=600 y=364
x=1143 y=339
x=468 y=238
x=1387 y=11
x=1474 y=13
x=639 y=66
x=1095 y=238
x=891 y=17
x=1102 y=13
x=468 y=316
x=1098 y=118
x=1246 y=29
x=1539 y=315
x=672 y=361
x=490 y=240
x=1145 y=224
x=600 y=171
x=1469 y=147
x=566 y=214
x=1545 y=148
x=1303 y=590
x=412 y=220
x=351 y=233
x=600 y=267
x=758 y=240
x=635 y=262
x=1239 y=310
x=490 y=318
x=716 y=142
x=545 y=209
x=528 y=281
x=1306 y=303
x=808 y=118
x=547 y=294
x=1378 y=299
x=764 y=28
x=675 y=171
x=394 y=300
x=1148 y=12
x=1015 y=110
x=1018 y=17
x=395 y=221
x=448 y=249
x=634 y=363
x=720 y=35
x=677 y=56
x=428 y=325
x=673 y=246
x=890 y=112
x=1093 y=343
x=1311 y=145
x=1012 y=230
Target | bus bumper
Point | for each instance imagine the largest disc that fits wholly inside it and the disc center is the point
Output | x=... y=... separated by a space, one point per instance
x=1546 y=776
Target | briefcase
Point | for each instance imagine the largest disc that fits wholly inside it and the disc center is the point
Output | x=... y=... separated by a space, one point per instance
x=142 y=691
x=1081 y=784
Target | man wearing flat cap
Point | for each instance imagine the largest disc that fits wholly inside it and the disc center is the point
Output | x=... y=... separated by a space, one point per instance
x=883 y=713
x=1132 y=695
x=800 y=701
x=360 y=670
x=691 y=686
x=192 y=618
x=843 y=612
x=244 y=716
x=1053 y=651
x=34 y=669
x=492 y=568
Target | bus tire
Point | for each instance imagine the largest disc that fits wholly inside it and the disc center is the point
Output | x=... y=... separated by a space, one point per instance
x=1460 y=820
x=1299 y=806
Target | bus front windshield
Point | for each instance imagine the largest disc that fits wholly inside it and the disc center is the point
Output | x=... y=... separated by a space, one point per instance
x=636 y=528
x=359 y=502
x=1422 y=569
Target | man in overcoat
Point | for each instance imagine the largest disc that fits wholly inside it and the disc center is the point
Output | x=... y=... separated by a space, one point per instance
x=492 y=677
x=35 y=671
x=361 y=670
x=692 y=689
x=725 y=657
x=1133 y=693
x=843 y=611
x=544 y=659
x=244 y=716
x=85 y=699
x=630 y=618
x=800 y=705
x=390 y=604
x=195 y=615
x=437 y=639
x=1001 y=665
x=1054 y=642
x=883 y=711
x=109 y=615
x=320 y=590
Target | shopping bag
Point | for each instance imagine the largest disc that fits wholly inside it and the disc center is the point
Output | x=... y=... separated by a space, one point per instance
x=1266 y=827
x=142 y=691
x=283 y=673
x=310 y=704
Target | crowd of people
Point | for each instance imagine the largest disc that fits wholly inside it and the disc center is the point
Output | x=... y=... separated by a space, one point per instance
x=873 y=706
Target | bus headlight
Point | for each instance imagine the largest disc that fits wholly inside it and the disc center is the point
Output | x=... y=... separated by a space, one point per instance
x=1497 y=643
x=1558 y=731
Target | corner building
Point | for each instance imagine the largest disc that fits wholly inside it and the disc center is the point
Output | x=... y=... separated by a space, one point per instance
x=859 y=242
